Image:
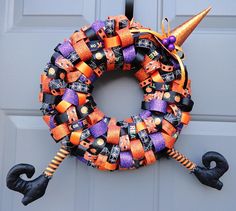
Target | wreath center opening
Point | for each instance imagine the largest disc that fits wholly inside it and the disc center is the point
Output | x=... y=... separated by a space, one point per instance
x=118 y=94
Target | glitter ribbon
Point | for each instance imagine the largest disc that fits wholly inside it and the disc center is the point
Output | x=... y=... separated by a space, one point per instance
x=158 y=141
x=98 y=129
x=66 y=48
x=126 y=160
x=70 y=96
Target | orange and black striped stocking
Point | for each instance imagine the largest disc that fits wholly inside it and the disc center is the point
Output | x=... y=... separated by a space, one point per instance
x=56 y=161
x=182 y=159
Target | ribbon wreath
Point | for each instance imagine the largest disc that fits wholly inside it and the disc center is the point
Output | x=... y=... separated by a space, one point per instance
x=100 y=141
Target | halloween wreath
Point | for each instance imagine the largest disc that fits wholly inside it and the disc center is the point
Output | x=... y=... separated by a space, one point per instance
x=100 y=141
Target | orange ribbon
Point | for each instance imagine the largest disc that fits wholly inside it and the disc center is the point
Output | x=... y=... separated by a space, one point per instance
x=174 y=53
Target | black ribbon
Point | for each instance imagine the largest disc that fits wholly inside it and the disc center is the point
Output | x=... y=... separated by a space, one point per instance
x=129 y=9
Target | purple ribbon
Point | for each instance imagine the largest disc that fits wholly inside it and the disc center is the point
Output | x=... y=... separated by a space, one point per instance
x=51 y=122
x=98 y=129
x=81 y=123
x=98 y=25
x=129 y=54
x=158 y=141
x=145 y=114
x=126 y=160
x=176 y=65
x=82 y=159
x=57 y=59
x=83 y=78
x=92 y=78
x=70 y=96
x=66 y=48
x=158 y=105
x=180 y=127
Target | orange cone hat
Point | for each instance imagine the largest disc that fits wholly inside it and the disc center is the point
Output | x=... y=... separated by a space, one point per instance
x=185 y=29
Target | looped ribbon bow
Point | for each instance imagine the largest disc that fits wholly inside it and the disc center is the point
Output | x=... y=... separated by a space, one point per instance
x=177 y=53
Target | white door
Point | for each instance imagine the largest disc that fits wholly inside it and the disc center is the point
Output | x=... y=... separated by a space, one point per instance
x=31 y=29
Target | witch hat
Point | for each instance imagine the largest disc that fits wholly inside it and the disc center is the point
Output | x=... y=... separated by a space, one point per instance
x=185 y=29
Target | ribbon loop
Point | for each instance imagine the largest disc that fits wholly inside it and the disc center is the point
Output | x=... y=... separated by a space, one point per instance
x=164 y=33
